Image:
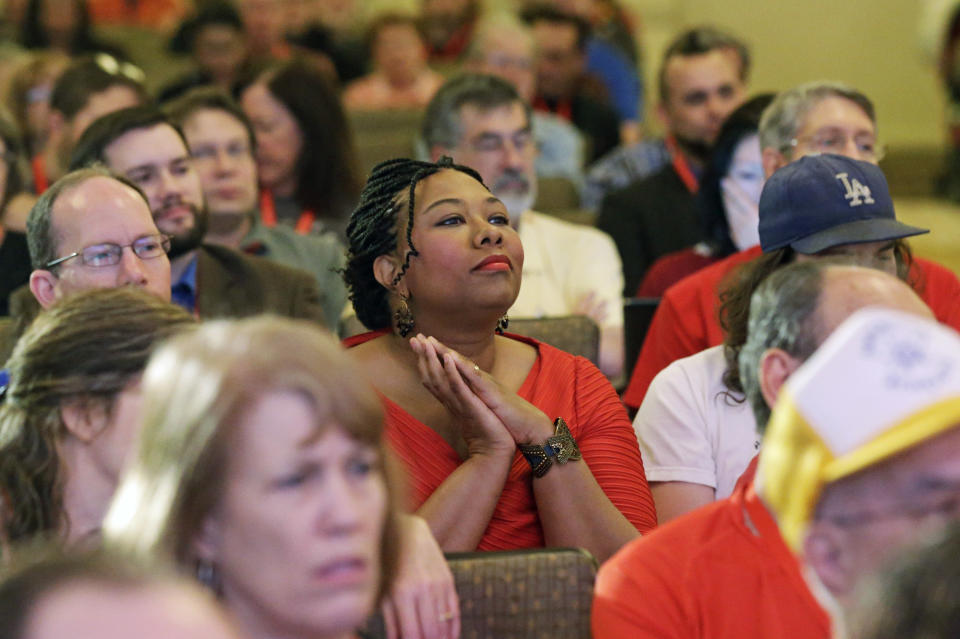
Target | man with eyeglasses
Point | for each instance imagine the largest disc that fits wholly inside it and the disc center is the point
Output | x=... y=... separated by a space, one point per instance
x=88 y=230
x=860 y=459
x=818 y=117
x=568 y=269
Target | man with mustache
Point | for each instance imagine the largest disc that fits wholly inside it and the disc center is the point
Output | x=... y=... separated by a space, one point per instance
x=141 y=145
x=568 y=269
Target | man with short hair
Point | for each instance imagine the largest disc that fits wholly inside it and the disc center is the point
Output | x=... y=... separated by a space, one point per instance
x=87 y=89
x=213 y=281
x=222 y=143
x=481 y=122
x=563 y=87
x=862 y=448
x=72 y=250
x=696 y=89
x=819 y=117
x=504 y=46
x=701 y=83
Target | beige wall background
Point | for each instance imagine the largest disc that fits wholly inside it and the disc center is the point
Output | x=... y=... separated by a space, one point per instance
x=871 y=44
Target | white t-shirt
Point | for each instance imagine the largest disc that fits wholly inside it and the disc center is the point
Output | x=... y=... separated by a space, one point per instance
x=562 y=262
x=690 y=430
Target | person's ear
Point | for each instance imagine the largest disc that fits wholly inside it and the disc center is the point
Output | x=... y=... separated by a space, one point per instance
x=43 y=285
x=83 y=421
x=823 y=551
x=207 y=542
x=776 y=366
x=437 y=151
x=385 y=269
x=772 y=159
x=56 y=124
x=664 y=116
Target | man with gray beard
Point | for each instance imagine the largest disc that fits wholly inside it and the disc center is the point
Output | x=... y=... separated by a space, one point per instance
x=568 y=269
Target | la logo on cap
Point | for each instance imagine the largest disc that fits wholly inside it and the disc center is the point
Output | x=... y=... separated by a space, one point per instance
x=857 y=193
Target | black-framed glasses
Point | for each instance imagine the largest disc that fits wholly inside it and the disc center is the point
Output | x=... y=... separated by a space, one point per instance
x=109 y=254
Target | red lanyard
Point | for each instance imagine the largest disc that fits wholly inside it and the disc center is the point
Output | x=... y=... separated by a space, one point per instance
x=563 y=108
x=681 y=166
x=40 y=183
x=268 y=214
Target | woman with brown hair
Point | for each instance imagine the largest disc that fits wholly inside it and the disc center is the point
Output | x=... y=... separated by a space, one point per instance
x=509 y=443
x=69 y=412
x=305 y=155
x=255 y=422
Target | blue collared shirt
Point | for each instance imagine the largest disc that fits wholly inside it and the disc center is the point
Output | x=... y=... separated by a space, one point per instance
x=184 y=292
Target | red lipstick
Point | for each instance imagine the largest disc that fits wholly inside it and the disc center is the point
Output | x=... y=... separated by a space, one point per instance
x=494 y=263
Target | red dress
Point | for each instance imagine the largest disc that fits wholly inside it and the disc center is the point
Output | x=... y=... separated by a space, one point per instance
x=560 y=385
x=686 y=321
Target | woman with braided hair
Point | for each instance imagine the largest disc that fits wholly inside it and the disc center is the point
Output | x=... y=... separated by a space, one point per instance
x=508 y=442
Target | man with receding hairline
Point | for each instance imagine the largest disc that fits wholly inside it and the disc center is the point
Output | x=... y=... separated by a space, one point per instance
x=861 y=449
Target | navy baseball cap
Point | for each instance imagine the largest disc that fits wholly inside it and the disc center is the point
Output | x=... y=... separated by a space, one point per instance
x=825 y=200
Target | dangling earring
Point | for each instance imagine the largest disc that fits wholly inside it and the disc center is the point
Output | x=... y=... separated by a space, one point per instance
x=502 y=324
x=403 y=318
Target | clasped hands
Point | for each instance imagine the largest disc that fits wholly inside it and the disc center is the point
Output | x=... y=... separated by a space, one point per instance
x=492 y=420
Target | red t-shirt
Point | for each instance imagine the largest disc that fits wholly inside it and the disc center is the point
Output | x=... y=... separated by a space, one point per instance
x=560 y=385
x=720 y=572
x=686 y=321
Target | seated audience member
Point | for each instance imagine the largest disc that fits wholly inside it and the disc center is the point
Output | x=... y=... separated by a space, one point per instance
x=701 y=83
x=216 y=40
x=76 y=234
x=819 y=117
x=568 y=269
x=14 y=255
x=913 y=596
x=692 y=70
x=400 y=78
x=211 y=281
x=503 y=46
x=305 y=156
x=507 y=423
x=333 y=31
x=448 y=26
x=31 y=87
x=266 y=24
x=52 y=595
x=562 y=85
x=69 y=413
x=611 y=58
x=63 y=25
x=858 y=457
x=221 y=143
x=727 y=201
x=253 y=422
x=695 y=431
x=89 y=88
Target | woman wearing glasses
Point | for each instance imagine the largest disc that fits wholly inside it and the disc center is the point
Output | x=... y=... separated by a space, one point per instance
x=69 y=414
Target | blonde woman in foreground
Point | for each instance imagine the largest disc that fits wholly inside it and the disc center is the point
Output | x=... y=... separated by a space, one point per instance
x=261 y=469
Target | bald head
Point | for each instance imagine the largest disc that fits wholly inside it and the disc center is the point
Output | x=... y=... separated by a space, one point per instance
x=847 y=289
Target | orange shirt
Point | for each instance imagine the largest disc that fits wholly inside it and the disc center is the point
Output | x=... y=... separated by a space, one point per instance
x=720 y=572
x=560 y=385
x=686 y=320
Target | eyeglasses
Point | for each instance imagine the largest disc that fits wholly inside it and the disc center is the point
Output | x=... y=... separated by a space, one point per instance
x=109 y=254
x=837 y=141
